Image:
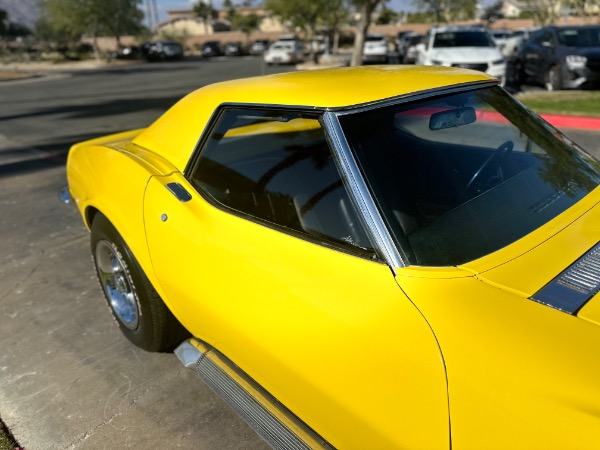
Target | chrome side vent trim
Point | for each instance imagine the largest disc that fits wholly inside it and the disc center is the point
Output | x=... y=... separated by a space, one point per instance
x=575 y=286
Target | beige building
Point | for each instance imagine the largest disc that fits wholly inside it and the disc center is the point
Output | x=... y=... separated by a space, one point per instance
x=514 y=8
x=186 y=22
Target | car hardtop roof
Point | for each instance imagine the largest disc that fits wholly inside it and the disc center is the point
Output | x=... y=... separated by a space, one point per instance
x=568 y=27
x=458 y=28
x=334 y=88
x=286 y=44
x=288 y=37
x=343 y=87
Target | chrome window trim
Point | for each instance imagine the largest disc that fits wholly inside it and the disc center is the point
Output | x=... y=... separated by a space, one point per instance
x=368 y=254
x=345 y=160
x=360 y=193
x=347 y=109
x=422 y=95
x=348 y=165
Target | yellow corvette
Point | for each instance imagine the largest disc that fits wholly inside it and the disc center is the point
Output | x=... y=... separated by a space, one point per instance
x=360 y=258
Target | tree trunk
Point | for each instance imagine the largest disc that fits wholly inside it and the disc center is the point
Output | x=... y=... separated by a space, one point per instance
x=366 y=8
x=96 y=48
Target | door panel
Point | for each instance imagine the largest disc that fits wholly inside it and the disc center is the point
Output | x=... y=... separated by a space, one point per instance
x=328 y=334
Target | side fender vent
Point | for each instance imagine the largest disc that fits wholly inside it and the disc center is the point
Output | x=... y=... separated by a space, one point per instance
x=572 y=289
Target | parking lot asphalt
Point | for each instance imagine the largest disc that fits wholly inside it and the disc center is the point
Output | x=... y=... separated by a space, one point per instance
x=68 y=378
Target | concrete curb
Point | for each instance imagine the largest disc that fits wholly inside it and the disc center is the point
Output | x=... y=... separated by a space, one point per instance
x=577 y=122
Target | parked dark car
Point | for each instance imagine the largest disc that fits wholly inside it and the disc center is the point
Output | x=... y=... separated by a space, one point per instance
x=259 y=46
x=234 y=49
x=162 y=51
x=410 y=53
x=128 y=52
x=399 y=40
x=561 y=57
x=212 y=48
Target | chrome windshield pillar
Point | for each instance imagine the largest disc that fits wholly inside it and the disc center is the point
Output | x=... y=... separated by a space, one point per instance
x=360 y=193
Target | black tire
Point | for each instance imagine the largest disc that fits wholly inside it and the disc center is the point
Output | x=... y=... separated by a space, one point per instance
x=519 y=76
x=138 y=309
x=553 y=80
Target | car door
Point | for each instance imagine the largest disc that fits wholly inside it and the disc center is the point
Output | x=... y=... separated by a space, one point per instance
x=539 y=54
x=260 y=252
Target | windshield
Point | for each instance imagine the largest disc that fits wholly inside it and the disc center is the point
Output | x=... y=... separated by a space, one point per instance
x=463 y=175
x=462 y=39
x=579 y=37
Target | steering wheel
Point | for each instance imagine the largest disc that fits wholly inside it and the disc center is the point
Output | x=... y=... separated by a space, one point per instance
x=495 y=160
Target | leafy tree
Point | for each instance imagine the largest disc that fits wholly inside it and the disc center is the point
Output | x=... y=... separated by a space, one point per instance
x=230 y=10
x=16 y=30
x=124 y=17
x=386 y=16
x=302 y=14
x=336 y=15
x=70 y=19
x=493 y=12
x=204 y=10
x=10 y=29
x=446 y=11
x=310 y=15
x=180 y=36
x=544 y=12
x=420 y=17
x=246 y=23
x=4 y=23
x=583 y=8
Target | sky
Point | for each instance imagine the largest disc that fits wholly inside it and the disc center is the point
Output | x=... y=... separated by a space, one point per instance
x=166 y=5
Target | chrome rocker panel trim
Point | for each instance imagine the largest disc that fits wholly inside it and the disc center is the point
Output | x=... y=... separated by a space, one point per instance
x=257 y=407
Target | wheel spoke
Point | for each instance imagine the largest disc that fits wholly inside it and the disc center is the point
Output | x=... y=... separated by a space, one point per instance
x=117 y=284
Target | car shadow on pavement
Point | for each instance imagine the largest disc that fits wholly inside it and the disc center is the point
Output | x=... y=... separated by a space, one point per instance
x=108 y=108
x=25 y=159
x=172 y=66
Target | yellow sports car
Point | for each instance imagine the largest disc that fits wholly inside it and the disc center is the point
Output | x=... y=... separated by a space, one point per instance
x=360 y=258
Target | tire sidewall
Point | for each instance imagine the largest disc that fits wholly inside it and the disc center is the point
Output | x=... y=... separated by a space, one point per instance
x=103 y=230
x=553 y=79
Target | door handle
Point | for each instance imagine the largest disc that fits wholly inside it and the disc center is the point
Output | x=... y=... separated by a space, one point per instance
x=179 y=192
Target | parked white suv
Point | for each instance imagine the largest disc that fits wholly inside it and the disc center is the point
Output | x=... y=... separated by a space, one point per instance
x=467 y=47
x=375 y=49
x=283 y=52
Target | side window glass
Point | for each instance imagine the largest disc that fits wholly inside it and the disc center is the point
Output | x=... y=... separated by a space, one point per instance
x=277 y=168
x=547 y=39
x=539 y=37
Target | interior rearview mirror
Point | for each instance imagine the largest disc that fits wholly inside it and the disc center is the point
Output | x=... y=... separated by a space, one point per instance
x=452 y=118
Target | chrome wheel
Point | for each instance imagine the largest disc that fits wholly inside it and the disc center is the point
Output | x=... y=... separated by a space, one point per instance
x=553 y=80
x=117 y=284
x=141 y=314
